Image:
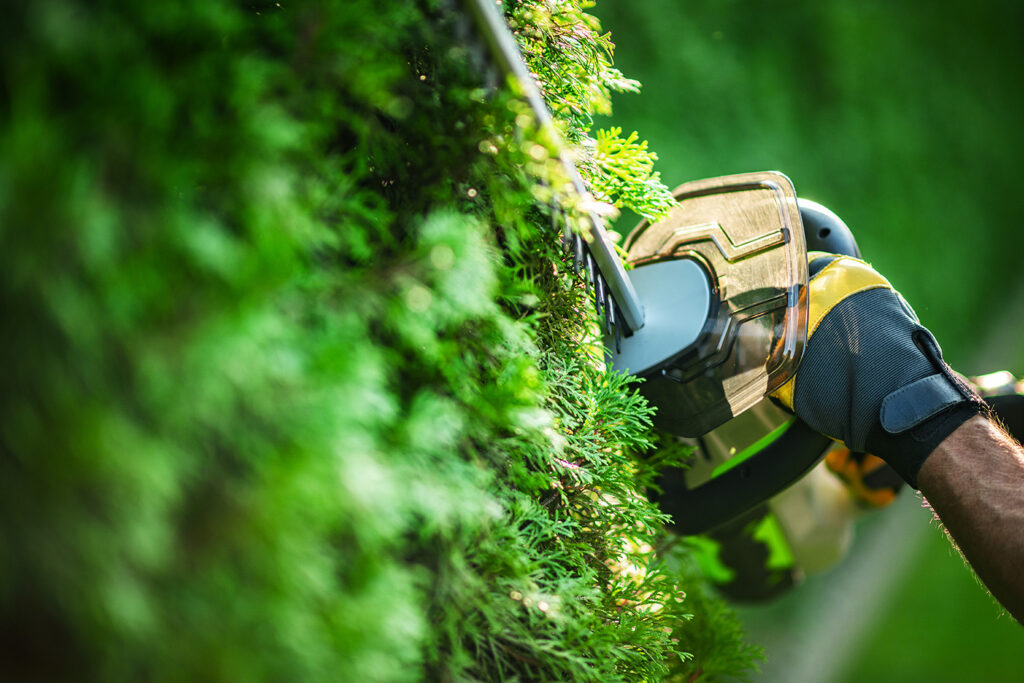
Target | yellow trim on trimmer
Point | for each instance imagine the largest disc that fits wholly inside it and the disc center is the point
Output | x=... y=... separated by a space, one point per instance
x=837 y=281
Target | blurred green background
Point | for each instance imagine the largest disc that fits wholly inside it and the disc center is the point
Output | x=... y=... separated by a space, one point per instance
x=905 y=119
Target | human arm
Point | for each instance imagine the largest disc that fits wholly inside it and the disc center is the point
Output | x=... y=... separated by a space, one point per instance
x=873 y=377
x=974 y=481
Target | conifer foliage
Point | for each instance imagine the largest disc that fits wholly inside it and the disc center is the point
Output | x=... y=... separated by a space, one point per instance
x=298 y=381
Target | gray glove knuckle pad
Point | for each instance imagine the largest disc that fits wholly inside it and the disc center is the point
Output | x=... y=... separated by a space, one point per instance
x=863 y=351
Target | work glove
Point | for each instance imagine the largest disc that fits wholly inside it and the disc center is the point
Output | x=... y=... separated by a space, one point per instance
x=872 y=376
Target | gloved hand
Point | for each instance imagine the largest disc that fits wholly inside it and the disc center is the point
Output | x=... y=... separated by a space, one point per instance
x=871 y=375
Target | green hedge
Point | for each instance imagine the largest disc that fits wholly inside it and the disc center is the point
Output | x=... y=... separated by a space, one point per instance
x=298 y=384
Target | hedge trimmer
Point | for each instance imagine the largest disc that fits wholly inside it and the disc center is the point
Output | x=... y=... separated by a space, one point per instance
x=713 y=313
x=713 y=316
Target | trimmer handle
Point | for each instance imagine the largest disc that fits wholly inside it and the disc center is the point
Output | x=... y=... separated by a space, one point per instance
x=744 y=487
x=825 y=231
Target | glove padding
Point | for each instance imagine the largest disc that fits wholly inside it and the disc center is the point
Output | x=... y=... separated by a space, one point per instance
x=872 y=376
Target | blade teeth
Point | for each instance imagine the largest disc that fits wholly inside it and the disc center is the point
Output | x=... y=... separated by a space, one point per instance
x=557 y=219
x=618 y=328
x=598 y=293
x=609 y=312
x=577 y=245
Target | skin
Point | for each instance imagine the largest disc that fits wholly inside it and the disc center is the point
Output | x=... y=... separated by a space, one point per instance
x=974 y=481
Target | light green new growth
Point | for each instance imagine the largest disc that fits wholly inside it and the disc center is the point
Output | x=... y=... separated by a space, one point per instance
x=624 y=174
x=572 y=62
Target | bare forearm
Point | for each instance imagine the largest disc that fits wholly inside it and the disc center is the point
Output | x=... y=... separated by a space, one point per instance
x=974 y=481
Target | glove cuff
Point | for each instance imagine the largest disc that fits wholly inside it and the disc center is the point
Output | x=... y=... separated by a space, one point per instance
x=907 y=451
x=916 y=418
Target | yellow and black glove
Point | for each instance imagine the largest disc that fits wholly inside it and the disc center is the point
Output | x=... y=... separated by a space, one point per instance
x=872 y=376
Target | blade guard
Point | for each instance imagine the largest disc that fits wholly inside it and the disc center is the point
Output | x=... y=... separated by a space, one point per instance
x=758 y=454
x=723 y=283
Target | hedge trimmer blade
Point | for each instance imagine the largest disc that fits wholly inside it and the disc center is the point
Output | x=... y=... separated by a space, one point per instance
x=614 y=297
x=713 y=316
